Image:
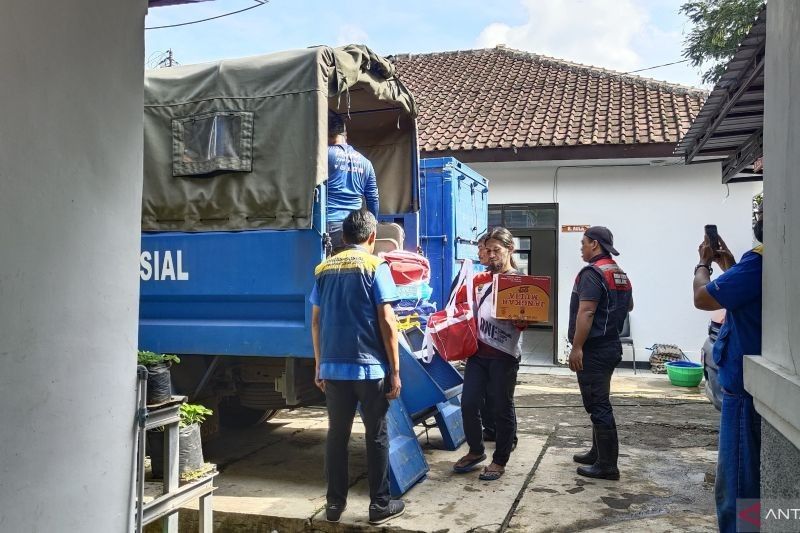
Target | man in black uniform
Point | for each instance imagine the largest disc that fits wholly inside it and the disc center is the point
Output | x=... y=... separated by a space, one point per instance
x=601 y=299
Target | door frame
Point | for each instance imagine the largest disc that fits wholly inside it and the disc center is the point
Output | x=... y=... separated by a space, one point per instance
x=554 y=295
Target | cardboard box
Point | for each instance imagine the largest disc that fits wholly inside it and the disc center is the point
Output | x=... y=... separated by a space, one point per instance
x=517 y=297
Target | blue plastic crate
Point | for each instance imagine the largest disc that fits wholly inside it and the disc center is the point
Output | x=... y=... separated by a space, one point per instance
x=426 y=384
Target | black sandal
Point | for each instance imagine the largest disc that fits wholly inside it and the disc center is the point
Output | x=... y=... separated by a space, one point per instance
x=470 y=466
x=491 y=475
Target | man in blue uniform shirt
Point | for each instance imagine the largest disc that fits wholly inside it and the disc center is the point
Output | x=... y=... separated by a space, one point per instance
x=351 y=178
x=357 y=361
x=738 y=291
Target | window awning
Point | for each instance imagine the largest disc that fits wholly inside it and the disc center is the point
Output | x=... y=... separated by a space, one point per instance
x=730 y=125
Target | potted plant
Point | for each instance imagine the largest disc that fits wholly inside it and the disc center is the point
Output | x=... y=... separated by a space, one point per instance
x=190 y=448
x=159 y=388
x=190 y=445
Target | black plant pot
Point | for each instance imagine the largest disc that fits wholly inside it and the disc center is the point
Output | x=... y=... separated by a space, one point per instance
x=155 y=449
x=159 y=386
x=190 y=450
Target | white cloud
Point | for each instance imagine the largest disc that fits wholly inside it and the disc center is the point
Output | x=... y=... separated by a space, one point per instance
x=351 y=34
x=595 y=32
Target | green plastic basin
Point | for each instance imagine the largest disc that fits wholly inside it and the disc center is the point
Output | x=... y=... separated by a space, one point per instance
x=684 y=373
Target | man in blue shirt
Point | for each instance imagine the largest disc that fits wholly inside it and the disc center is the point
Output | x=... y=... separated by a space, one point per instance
x=357 y=361
x=351 y=179
x=738 y=291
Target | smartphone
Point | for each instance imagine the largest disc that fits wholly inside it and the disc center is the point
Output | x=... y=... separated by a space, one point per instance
x=713 y=237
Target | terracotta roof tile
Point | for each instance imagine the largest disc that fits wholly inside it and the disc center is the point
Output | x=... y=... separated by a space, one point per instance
x=504 y=98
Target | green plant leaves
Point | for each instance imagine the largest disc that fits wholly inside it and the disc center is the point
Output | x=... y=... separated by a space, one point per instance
x=194 y=414
x=147 y=358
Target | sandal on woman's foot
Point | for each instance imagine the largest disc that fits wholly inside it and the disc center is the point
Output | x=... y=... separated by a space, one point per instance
x=491 y=475
x=465 y=464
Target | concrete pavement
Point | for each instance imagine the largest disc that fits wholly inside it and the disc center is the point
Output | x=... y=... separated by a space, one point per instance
x=272 y=479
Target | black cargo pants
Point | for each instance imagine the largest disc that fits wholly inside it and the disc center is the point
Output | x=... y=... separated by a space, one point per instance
x=499 y=377
x=343 y=397
x=594 y=381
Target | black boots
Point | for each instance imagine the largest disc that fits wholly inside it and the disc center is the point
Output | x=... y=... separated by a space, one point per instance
x=589 y=457
x=605 y=467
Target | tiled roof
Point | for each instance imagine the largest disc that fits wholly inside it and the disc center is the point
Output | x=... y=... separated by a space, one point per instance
x=504 y=98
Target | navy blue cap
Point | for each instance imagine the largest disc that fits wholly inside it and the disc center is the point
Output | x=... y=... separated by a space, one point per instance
x=604 y=236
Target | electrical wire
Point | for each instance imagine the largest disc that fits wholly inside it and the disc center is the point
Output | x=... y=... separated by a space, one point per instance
x=657 y=66
x=259 y=3
x=149 y=63
x=161 y=60
x=727 y=50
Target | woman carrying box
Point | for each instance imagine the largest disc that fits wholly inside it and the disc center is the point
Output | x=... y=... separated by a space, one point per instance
x=493 y=369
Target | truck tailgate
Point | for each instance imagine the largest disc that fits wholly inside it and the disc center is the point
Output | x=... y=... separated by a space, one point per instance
x=228 y=293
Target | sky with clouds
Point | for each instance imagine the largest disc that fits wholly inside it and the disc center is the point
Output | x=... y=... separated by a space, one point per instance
x=622 y=35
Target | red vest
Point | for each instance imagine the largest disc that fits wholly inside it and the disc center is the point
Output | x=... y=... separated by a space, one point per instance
x=612 y=307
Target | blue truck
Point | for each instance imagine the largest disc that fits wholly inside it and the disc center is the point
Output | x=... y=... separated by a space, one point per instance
x=233 y=224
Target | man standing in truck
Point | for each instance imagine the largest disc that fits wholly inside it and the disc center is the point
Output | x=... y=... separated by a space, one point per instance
x=354 y=332
x=351 y=179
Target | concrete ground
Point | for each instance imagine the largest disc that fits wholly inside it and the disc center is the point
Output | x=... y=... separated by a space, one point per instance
x=537 y=347
x=271 y=476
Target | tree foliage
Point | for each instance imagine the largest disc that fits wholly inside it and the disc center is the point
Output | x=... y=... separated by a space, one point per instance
x=719 y=26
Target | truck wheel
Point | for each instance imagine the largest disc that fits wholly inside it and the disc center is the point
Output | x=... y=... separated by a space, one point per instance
x=269 y=414
x=233 y=415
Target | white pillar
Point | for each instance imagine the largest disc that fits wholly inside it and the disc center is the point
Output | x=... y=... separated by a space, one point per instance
x=70 y=194
x=774 y=378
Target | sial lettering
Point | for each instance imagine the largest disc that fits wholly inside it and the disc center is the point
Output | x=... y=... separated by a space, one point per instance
x=162 y=266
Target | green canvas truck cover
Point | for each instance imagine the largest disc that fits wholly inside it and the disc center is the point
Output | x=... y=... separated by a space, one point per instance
x=241 y=144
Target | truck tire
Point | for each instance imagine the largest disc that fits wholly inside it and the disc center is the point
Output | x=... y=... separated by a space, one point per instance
x=233 y=415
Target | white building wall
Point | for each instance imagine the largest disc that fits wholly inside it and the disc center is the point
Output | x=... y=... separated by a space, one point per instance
x=70 y=202
x=657 y=216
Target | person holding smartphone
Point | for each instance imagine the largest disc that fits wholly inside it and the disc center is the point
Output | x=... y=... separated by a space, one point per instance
x=738 y=291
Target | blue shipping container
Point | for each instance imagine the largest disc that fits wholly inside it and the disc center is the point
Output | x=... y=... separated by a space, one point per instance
x=454 y=213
